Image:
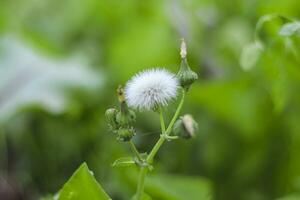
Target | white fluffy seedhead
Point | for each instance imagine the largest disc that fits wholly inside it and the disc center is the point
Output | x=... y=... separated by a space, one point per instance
x=151 y=88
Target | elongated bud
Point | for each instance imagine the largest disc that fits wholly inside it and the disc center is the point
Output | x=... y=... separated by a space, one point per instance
x=185 y=75
x=125 y=117
x=125 y=134
x=185 y=127
x=111 y=115
x=120 y=93
x=183 y=51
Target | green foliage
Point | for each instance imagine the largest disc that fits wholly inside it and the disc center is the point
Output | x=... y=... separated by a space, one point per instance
x=290 y=197
x=170 y=186
x=144 y=197
x=248 y=139
x=82 y=185
x=165 y=187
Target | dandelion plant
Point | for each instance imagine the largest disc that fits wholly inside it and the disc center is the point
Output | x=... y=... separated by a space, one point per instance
x=152 y=90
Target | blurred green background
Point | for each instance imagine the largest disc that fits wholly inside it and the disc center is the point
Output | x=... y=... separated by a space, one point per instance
x=61 y=62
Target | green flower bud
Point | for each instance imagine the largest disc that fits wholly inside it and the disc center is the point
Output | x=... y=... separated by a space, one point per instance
x=110 y=115
x=185 y=75
x=125 y=134
x=185 y=127
x=125 y=117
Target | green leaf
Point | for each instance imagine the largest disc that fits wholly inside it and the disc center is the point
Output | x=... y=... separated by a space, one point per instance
x=279 y=93
x=170 y=187
x=82 y=185
x=123 y=162
x=250 y=55
x=290 y=197
x=144 y=197
x=290 y=29
x=164 y=187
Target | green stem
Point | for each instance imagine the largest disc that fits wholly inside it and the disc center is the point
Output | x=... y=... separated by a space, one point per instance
x=141 y=183
x=3 y=143
x=162 y=121
x=155 y=149
x=135 y=151
x=167 y=132
x=144 y=170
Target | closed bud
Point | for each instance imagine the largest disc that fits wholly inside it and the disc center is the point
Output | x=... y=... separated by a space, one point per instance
x=125 y=134
x=185 y=75
x=185 y=127
x=111 y=115
x=125 y=118
x=121 y=121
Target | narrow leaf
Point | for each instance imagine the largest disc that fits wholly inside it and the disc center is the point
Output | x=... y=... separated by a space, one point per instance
x=124 y=162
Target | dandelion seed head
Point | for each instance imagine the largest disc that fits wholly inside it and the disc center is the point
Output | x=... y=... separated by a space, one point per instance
x=151 y=88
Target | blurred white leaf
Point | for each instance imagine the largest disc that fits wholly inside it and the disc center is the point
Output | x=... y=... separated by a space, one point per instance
x=250 y=55
x=27 y=77
x=290 y=29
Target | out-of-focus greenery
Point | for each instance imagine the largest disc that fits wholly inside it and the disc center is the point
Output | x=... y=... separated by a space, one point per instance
x=61 y=61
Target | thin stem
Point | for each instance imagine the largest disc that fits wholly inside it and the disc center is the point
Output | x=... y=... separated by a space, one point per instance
x=155 y=149
x=135 y=151
x=162 y=121
x=3 y=143
x=167 y=132
x=141 y=183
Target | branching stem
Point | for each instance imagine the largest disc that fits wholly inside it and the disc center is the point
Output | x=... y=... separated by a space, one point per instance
x=135 y=151
x=167 y=132
x=164 y=132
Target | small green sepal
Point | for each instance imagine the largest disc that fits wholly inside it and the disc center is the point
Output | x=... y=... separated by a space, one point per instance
x=125 y=134
x=125 y=117
x=111 y=115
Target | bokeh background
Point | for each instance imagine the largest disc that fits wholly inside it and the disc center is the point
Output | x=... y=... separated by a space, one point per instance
x=60 y=65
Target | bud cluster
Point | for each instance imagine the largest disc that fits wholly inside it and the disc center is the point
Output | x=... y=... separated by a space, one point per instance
x=120 y=122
